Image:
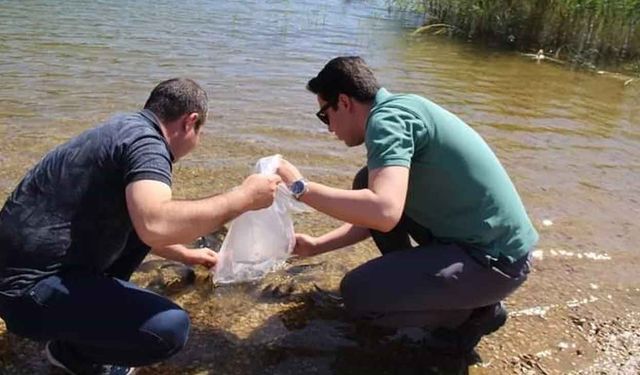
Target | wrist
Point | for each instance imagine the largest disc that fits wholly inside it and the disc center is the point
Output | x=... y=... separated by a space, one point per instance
x=185 y=258
x=238 y=201
x=317 y=249
x=315 y=245
x=299 y=187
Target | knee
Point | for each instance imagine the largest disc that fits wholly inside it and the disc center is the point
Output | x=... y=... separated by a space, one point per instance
x=170 y=330
x=361 y=180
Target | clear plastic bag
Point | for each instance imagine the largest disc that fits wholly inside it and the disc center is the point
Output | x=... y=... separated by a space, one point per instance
x=259 y=241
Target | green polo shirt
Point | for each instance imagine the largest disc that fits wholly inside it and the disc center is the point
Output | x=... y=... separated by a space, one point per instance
x=457 y=187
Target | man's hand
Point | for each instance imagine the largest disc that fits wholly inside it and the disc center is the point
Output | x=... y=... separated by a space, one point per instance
x=260 y=190
x=202 y=256
x=288 y=172
x=180 y=253
x=306 y=245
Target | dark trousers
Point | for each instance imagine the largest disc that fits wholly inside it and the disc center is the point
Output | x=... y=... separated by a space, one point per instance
x=102 y=317
x=432 y=284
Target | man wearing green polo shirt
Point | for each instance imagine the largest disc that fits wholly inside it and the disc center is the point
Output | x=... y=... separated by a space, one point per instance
x=430 y=178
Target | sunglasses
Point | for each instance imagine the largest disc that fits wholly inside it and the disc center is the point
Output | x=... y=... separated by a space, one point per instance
x=322 y=114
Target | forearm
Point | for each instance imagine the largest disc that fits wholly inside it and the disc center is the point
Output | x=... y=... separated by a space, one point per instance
x=362 y=208
x=159 y=220
x=172 y=252
x=179 y=221
x=345 y=235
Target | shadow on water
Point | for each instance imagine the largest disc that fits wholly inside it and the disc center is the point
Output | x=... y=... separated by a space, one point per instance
x=312 y=336
x=285 y=323
x=323 y=329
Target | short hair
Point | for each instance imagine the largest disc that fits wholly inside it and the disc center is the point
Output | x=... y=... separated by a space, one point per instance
x=347 y=75
x=176 y=97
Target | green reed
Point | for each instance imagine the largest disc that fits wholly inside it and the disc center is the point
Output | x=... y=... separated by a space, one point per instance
x=587 y=32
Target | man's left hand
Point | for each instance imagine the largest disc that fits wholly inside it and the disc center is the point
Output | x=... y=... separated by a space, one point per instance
x=202 y=256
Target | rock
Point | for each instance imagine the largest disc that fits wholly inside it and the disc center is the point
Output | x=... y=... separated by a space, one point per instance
x=317 y=336
x=171 y=278
x=282 y=290
x=213 y=240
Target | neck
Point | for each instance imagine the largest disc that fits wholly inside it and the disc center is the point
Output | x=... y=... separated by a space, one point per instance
x=362 y=113
x=169 y=131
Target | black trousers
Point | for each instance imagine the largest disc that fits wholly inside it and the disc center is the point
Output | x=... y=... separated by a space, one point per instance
x=102 y=317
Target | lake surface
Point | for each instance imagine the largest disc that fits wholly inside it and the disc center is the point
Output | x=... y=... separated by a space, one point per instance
x=569 y=139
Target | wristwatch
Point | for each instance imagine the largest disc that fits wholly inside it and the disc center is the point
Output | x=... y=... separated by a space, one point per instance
x=299 y=187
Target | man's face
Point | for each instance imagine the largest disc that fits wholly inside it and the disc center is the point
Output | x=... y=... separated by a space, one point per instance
x=341 y=120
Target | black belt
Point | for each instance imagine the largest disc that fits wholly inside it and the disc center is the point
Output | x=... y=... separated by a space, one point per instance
x=503 y=264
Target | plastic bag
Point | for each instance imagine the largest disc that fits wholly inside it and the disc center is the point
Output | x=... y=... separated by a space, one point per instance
x=259 y=241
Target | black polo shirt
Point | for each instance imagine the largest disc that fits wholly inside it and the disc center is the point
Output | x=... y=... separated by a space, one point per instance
x=70 y=211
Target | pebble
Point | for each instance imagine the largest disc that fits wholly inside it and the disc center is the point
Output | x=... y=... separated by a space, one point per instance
x=563 y=345
x=547 y=222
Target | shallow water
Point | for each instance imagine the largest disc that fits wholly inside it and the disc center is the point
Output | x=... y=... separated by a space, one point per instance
x=569 y=139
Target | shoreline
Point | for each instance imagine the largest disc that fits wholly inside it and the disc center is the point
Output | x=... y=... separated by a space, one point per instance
x=560 y=322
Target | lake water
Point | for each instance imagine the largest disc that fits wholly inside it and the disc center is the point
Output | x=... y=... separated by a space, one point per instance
x=569 y=139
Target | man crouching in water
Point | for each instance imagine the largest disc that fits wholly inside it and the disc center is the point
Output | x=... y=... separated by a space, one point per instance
x=83 y=219
x=428 y=177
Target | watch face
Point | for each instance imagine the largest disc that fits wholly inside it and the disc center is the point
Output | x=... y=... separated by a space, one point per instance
x=297 y=187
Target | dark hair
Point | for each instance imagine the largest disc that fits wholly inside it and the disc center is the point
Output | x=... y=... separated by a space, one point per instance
x=178 y=96
x=347 y=75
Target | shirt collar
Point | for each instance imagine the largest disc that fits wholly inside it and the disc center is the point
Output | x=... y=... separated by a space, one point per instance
x=155 y=121
x=381 y=96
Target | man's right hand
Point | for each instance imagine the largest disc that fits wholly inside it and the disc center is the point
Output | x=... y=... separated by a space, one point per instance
x=288 y=172
x=305 y=245
x=260 y=190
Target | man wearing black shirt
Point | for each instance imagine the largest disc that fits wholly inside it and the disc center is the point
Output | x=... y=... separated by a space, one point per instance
x=81 y=221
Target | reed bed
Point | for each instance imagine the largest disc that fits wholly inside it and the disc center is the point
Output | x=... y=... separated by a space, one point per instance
x=586 y=32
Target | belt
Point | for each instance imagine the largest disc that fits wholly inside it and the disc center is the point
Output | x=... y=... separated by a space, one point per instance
x=516 y=269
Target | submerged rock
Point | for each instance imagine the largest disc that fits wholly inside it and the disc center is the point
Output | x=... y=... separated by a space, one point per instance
x=213 y=240
x=317 y=336
x=168 y=277
x=172 y=278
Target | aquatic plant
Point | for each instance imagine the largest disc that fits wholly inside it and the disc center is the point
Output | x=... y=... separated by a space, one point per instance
x=587 y=32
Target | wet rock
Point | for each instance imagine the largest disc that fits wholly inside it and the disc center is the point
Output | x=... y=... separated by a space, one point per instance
x=213 y=240
x=302 y=268
x=279 y=290
x=317 y=336
x=152 y=265
x=326 y=299
x=171 y=277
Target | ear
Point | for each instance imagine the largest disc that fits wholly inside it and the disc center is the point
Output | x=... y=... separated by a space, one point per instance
x=190 y=121
x=346 y=101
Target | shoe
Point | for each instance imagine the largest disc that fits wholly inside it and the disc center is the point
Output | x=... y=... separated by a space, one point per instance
x=463 y=339
x=483 y=321
x=61 y=356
